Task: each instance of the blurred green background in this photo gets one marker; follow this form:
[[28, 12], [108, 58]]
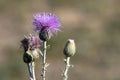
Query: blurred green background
[[93, 24]]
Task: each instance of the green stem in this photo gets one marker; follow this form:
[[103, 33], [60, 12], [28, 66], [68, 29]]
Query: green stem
[[66, 68], [30, 71], [44, 61], [33, 70]]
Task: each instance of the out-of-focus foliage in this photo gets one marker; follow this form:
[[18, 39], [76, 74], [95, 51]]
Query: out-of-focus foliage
[[93, 24]]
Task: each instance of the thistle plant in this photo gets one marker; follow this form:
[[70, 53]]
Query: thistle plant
[[69, 51], [46, 24], [31, 46]]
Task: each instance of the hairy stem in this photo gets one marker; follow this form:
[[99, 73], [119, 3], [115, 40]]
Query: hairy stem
[[44, 61], [66, 68], [33, 70], [30, 71]]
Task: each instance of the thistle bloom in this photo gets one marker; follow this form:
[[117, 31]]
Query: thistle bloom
[[31, 46], [46, 24], [32, 42]]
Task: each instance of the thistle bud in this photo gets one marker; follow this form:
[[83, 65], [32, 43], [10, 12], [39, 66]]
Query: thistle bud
[[27, 57], [44, 34], [69, 49]]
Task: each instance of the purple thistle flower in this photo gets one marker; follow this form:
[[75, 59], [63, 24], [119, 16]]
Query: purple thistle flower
[[31, 46], [31, 42], [47, 24], [34, 42], [25, 44]]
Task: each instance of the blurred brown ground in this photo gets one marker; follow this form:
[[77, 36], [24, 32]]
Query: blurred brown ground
[[94, 24]]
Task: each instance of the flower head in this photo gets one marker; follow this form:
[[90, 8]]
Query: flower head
[[34, 42], [46, 24], [31, 42], [31, 46]]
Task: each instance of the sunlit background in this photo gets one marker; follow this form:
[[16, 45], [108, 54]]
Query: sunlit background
[[93, 24]]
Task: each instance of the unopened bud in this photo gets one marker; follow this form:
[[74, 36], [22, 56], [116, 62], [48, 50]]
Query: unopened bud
[[69, 49], [44, 34], [27, 57]]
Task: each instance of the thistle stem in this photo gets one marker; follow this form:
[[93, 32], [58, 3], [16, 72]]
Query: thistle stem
[[44, 61], [33, 70], [30, 71], [67, 62]]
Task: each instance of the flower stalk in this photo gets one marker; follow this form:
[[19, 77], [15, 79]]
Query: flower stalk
[[33, 70], [67, 62], [44, 60], [29, 65]]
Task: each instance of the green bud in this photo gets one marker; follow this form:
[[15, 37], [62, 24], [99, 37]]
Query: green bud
[[69, 49], [27, 57]]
